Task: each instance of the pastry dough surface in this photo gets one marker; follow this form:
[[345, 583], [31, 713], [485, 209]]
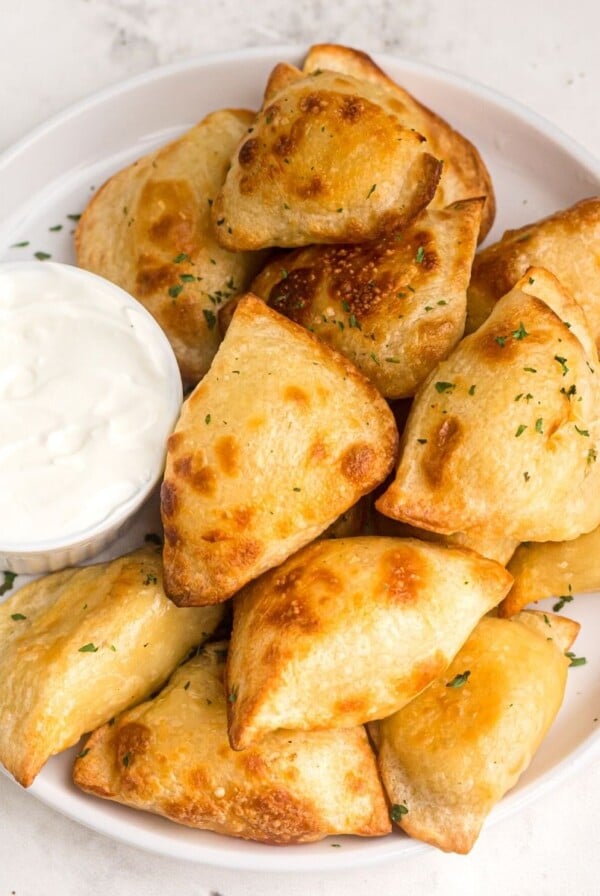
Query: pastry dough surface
[[171, 756], [566, 243], [502, 439], [280, 438], [464, 174], [453, 752], [328, 160], [148, 230], [559, 568], [349, 630], [92, 641], [395, 307]]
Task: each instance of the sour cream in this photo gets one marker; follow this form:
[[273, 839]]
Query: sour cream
[[89, 392]]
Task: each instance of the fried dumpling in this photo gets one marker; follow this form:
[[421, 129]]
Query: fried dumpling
[[148, 230], [449, 756], [328, 160], [502, 439], [559, 568], [464, 174], [281, 437], [170, 756], [395, 307], [347, 631], [79, 646], [566, 243]]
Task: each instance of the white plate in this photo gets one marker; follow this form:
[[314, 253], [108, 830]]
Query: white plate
[[52, 173]]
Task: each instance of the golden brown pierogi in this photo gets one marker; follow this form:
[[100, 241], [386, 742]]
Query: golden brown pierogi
[[349, 630], [328, 159], [502, 439], [170, 756], [395, 307], [148, 230], [449, 756], [281, 437], [79, 646], [464, 173], [559, 568], [566, 243]]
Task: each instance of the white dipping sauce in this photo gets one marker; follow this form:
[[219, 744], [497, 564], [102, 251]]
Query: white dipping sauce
[[86, 402]]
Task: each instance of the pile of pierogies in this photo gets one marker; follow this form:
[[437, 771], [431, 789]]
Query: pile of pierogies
[[313, 266]]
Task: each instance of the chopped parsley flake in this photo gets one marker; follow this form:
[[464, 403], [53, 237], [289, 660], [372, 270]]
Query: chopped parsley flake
[[210, 318], [83, 753], [88, 648], [459, 680], [562, 600], [17, 617], [56, 228], [539, 424], [9, 581], [520, 430], [563, 364], [582, 432], [150, 579], [187, 278], [420, 255], [175, 290], [501, 340], [74, 217], [444, 387], [371, 191], [42, 256], [397, 810], [207, 419], [374, 358], [472, 390], [576, 660], [521, 333], [530, 369], [592, 456], [20, 245]]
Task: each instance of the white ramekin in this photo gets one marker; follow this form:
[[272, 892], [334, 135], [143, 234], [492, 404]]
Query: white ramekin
[[51, 554]]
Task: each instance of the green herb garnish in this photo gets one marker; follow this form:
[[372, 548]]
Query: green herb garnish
[[397, 810], [9, 581], [210, 318], [459, 680]]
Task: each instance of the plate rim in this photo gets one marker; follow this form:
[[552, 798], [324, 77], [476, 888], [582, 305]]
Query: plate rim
[[158, 73], [380, 849]]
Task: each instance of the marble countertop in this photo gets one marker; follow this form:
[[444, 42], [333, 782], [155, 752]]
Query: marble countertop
[[544, 55]]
